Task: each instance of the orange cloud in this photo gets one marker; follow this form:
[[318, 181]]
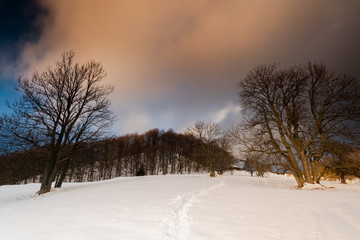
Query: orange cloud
[[151, 50]]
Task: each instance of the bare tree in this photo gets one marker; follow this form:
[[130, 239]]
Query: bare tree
[[343, 160], [256, 162], [296, 112], [58, 109], [213, 145]]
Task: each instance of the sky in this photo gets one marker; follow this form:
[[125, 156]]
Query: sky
[[175, 62]]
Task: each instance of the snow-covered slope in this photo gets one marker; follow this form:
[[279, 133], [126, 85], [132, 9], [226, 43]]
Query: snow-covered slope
[[181, 207]]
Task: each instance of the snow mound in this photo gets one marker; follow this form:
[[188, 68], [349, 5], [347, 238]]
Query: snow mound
[[182, 207], [316, 186]]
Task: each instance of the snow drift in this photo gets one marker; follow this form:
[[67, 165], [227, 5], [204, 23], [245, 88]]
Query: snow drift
[[181, 207]]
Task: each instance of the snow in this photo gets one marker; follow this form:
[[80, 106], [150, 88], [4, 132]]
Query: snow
[[315, 186], [179, 207]]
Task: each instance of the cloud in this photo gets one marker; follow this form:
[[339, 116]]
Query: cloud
[[180, 61], [137, 121], [226, 112]]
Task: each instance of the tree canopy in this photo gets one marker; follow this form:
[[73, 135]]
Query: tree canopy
[[296, 113], [58, 109]]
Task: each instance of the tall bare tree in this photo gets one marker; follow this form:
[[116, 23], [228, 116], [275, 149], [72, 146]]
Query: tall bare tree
[[296, 112], [59, 109], [213, 145], [207, 133]]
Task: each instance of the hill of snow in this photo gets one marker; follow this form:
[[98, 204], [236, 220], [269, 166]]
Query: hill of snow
[[181, 207]]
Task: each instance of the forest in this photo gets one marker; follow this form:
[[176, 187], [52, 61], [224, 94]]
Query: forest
[[151, 153]]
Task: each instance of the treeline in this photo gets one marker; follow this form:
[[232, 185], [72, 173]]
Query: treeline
[[154, 152]]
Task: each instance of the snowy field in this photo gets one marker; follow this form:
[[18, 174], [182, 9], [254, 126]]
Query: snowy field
[[181, 207]]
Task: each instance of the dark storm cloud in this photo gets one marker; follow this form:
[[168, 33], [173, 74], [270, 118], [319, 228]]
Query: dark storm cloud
[[21, 21], [175, 62]]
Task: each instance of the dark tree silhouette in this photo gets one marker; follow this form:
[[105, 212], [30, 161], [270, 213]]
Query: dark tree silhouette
[[212, 146], [59, 109], [296, 113]]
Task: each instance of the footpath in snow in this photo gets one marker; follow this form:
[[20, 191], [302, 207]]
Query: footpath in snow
[[181, 207]]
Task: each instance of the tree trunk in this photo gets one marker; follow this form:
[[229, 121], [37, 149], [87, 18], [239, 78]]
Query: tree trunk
[[299, 179], [295, 170], [342, 178], [212, 170], [49, 174], [63, 174], [307, 170], [316, 170]]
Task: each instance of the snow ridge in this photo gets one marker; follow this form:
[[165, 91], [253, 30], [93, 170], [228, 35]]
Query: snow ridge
[[176, 226]]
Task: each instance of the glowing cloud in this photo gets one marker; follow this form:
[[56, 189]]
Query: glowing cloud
[[185, 57]]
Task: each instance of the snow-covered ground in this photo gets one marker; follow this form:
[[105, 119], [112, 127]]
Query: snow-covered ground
[[181, 207]]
